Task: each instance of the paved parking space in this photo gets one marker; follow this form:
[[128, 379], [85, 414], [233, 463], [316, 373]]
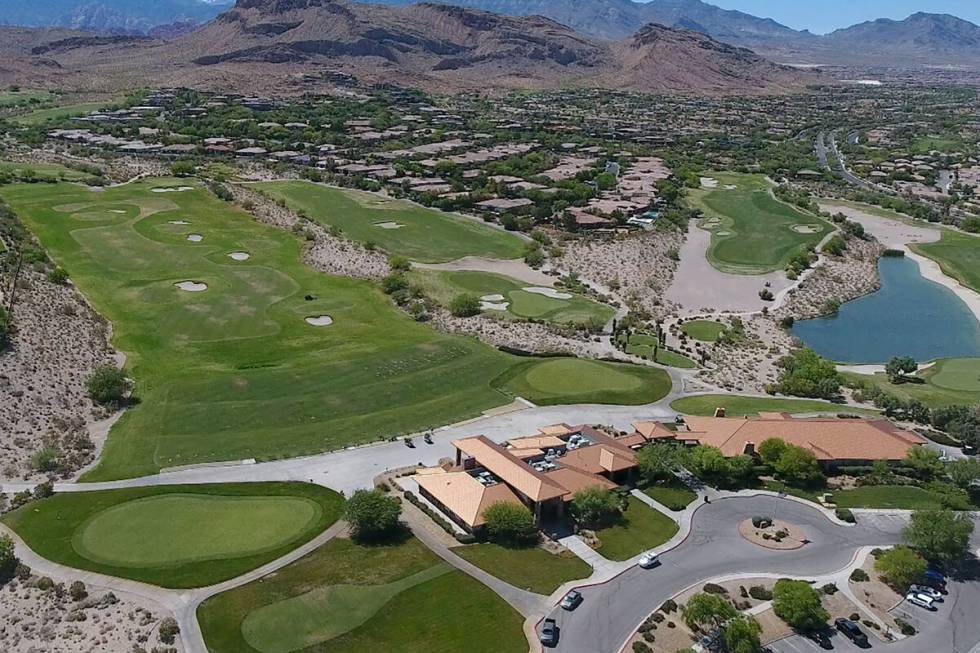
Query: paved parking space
[[887, 523], [800, 644]]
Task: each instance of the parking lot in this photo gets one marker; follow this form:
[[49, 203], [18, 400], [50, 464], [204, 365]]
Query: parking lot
[[800, 644]]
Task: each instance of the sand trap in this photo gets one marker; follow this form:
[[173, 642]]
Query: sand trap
[[195, 238], [120, 211], [494, 306], [709, 182], [731, 187], [320, 320], [192, 286], [239, 256], [492, 298], [723, 233], [179, 222], [548, 292], [807, 228], [172, 189], [388, 225]]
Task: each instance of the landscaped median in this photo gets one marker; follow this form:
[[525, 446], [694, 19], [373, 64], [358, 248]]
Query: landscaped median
[[347, 597], [176, 536]]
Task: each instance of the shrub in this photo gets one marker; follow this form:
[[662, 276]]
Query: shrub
[[901, 567], [372, 514], [58, 276], [829, 589], [8, 558], [509, 523], [393, 283], [712, 588], [464, 306], [595, 506], [107, 385], [182, 168], [859, 576], [845, 515], [668, 606], [640, 647], [6, 326], [760, 593], [399, 264], [905, 627], [168, 630], [77, 591], [798, 604]]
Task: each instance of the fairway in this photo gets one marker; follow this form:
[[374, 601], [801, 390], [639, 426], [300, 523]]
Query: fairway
[[349, 598], [950, 382], [572, 380], [958, 255], [44, 171], [737, 406], [176, 536], [399, 227], [703, 330], [752, 231], [521, 304], [40, 116]]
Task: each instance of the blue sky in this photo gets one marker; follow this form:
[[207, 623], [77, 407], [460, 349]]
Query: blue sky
[[821, 16]]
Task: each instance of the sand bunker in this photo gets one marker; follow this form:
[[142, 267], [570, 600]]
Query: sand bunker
[[195, 238], [171, 189], [388, 225], [548, 292], [731, 187], [709, 182], [179, 222], [492, 298], [320, 320], [239, 256], [723, 233], [192, 286], [120, 211], [494, 306], [807, 228]]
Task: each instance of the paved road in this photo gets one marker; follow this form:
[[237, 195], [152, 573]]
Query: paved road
[[611, 612]]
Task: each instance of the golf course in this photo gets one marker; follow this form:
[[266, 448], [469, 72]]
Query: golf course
[[752, 231], [176, 536], [949, 382], [347, 597], [397, 226], [240, 351], [571, 380], [958, 254]]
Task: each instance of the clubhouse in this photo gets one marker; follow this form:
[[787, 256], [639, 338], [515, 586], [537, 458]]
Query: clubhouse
[[542, 471]]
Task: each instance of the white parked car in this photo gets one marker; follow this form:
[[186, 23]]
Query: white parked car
[[933, 594], [649, 559], [922, 601]]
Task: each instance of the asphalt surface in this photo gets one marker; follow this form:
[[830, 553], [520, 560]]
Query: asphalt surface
[[611, 612]]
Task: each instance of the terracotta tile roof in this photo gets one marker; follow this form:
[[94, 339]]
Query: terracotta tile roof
[[576, 480], [828, 439], [536, 442], [653, 430], [463, 495], [524, 454], [509, 468], [599, 458], [556, 429]]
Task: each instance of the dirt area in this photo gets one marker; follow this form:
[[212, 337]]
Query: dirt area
[[841, 279], [57, 343], [749, 364], [40, 615], [773, 628], [893, 234], [779, 536], [117, 169], [640, 265], [663, 633], [877, 597], [515, 269], [324, 252]]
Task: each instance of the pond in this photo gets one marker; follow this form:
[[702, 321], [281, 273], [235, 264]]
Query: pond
[[908, 316]]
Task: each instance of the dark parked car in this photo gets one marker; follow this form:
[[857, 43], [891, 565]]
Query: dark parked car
[[821, 639], [852, 632], [571, 600], [549, 633]]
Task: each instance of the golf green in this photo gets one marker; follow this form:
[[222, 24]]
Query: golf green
[[399, 227], [703, 330], [572, 380], [178, 535], [958, 255], [949, 382], [752, 231]]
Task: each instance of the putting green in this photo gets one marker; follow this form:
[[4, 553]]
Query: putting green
[[753, 232], [324, 613], [424, 235], [962, 374], [958, 255], [200, 527], [569, 376], [574, 380], [703, 330]]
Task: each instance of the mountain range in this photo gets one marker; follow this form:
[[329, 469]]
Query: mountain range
[[111, 16]]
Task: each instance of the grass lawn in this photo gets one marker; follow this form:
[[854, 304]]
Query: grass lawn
[[752, 231], [425, 235], [734, 405], [950, 382], [672, 494], [703, 330], [640, 528], [235, 371], [176, 536], [10, 98], [902, 497], [803, 493], [532, 568], [958, 255], [349, 598], [44, 171], [40, 116], [574, 380], [643, 346], [444, 286]]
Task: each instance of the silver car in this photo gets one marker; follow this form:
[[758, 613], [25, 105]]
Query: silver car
[[922, 601], [933, 594]]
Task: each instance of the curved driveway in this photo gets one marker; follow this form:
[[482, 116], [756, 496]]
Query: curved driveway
[[611, 612]]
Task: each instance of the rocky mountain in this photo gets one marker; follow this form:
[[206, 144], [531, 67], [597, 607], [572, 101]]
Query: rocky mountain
[[266, 45], [131, 16], [920, 35]]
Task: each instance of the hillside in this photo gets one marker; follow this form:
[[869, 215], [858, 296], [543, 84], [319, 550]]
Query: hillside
[[117, 16]]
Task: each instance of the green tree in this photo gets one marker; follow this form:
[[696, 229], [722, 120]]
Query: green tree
[[708, 464], [798, 466], [8, 557], [964, 472], [771, 450], [901, 567], [464, 305], [939, 535], [806, 374], [658, 461], [372, 514], [510, 523], [798, 604], [899, 366], [926, 462], [706, 611], [742, 635], [182, 168], [6, 326], [595, 505], [107, 385]]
